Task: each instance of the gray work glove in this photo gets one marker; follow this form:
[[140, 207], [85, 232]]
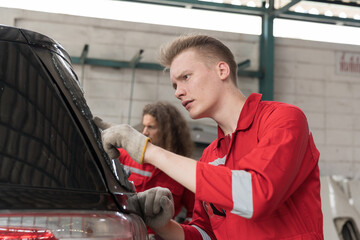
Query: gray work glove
[[157, 206], [122, 136]]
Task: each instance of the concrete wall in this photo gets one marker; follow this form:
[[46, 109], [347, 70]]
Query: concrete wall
[[305, 75]]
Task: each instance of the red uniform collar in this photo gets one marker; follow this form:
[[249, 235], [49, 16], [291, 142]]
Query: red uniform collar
[[246, 116]]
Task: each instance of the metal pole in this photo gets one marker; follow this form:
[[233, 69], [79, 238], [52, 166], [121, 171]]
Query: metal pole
[[266, 81], [134, 61], [82, 62]]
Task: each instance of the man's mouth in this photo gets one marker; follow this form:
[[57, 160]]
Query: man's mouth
[[186, 103]]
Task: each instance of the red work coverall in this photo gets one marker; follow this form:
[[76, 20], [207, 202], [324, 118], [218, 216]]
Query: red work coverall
[[262, 182], [146, 176]]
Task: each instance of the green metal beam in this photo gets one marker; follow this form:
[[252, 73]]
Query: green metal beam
[[204, 5], [116, 64], [319, 18], [247, 73], [266, 80], [250, 73], [149, 66], [243, 65]]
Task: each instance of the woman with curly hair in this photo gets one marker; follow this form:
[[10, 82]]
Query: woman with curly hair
[[171, 131], [166, 127]]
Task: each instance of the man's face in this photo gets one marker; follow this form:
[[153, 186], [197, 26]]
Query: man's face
[[195, 84], [150, 128]]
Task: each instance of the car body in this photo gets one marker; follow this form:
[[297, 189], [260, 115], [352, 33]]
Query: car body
[[340, 206], [56, 181]]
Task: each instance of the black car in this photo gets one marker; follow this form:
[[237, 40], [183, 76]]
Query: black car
[[56, 181]]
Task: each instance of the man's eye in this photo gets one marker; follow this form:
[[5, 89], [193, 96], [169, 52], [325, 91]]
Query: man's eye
[[187, 76]]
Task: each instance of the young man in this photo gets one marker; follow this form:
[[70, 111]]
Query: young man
[[258, 180]]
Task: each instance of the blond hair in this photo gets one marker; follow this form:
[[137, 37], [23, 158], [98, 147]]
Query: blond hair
[[212, 49]]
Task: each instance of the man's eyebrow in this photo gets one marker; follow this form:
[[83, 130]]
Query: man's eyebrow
[[181, 74]]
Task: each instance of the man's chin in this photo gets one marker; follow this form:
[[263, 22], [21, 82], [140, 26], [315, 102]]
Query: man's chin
[[194, 116]]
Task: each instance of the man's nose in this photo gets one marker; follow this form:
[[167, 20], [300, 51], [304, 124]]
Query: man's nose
[[179, 92]]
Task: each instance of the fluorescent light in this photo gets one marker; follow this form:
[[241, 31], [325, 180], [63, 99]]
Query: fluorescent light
[[314, 11], [300, 9], [251, 4], [328, 13], [236, 2], [342, 15]]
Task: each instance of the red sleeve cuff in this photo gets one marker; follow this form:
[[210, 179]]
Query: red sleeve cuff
[[191, 233]]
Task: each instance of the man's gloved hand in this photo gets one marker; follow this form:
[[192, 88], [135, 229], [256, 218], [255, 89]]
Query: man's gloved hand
[[122, 136], [157, 206]]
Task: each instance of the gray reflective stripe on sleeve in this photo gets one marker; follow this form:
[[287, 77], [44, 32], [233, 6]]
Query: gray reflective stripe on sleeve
[[219, 161], [138, 171], [203, 234], [242, 193], [188, 219]]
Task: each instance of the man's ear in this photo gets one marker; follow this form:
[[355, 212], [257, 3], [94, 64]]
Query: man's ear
[[223, 70]]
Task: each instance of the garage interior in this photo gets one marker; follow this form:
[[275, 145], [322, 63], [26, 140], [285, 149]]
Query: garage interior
[[116, 62]]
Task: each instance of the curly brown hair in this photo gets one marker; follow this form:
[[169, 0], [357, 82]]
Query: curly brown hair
[[173, 130], [210, 48]]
